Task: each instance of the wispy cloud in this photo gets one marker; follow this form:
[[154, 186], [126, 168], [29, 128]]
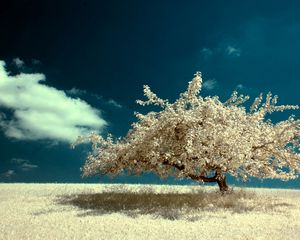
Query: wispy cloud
[[8, 174], [210, 84], [79, 92], [35, 61], [23, 164], [206, 52], [114, 103], [25, 167], [240, 86], [232, 51], [76, 91], [18, 161], [220, 51], [43, 112], [18, 62], [19, 165]]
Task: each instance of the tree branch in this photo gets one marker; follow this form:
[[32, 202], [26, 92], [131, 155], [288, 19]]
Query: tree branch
[[261, 146], [192, 176]]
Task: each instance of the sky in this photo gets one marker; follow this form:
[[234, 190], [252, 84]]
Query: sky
[[71, 67]]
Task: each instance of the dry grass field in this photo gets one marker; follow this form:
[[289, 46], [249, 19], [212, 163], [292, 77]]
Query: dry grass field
[[116, 211]]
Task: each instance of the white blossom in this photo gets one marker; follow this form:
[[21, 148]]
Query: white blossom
[[196, 135]]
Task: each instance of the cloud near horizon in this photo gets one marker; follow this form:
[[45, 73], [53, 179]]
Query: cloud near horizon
[[23, 164], [8, 174], [43, 112]]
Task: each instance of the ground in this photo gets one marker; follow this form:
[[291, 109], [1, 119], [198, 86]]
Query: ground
[[118, 211]]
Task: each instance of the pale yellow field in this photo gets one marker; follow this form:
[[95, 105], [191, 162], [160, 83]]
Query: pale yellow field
[[98, 211]]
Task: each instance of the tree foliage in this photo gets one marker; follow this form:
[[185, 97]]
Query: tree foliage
[[195, 136]]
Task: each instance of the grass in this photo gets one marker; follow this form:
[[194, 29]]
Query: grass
[[115, 211], [168, 205]]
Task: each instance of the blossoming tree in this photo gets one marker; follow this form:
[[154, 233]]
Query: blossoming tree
[[202, 139]]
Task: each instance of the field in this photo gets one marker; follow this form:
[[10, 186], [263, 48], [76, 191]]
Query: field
[[116, 211]]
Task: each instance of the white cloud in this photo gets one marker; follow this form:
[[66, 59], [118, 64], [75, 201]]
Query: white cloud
[[18, 62], [114, 103], [232, 51], [210, 84], [43, 112]]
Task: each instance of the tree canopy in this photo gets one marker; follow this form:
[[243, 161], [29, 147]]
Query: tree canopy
[[196, 136]]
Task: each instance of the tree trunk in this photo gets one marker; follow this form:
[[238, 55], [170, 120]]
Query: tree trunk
[[219, 178]]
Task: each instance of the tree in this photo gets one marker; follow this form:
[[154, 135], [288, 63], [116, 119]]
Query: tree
[[202, 139]]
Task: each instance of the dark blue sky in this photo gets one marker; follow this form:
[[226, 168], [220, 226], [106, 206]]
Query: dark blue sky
[[103, 52]]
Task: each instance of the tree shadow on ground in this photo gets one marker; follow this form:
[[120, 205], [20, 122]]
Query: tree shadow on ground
[[167, 205]]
